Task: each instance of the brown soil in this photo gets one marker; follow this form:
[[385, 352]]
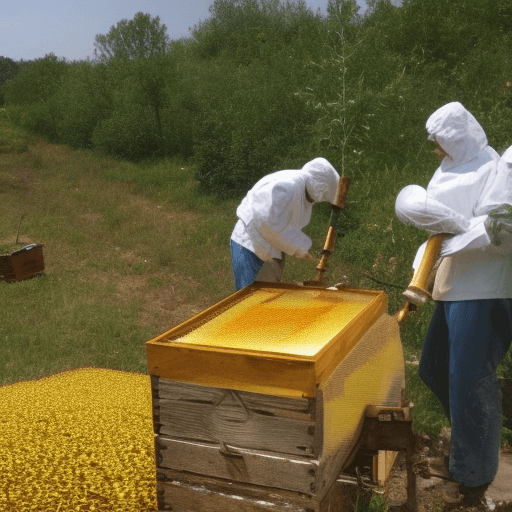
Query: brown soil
[[429, 488]]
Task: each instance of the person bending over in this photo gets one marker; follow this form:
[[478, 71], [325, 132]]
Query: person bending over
[[271, 218]]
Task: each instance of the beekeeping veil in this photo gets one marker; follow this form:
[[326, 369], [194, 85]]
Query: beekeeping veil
[[321, 180], [457, 131]]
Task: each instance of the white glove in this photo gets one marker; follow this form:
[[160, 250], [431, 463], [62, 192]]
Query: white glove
[[419, 255], [498, 223]]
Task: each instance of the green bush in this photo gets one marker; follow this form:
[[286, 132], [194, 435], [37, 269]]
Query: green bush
[[255, 130], [84, 100], [37, 118], [34, 90], [130, 133], [265, 84], [8, 70], [245, 31], [37, 81]]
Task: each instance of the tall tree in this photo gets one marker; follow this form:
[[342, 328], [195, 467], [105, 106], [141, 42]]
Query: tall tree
[[144, 41], [143, 36], [343, 12]]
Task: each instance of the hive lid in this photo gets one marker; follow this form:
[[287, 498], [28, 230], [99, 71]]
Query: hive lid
[[277, 337]]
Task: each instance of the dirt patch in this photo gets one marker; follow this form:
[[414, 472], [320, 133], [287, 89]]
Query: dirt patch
[[429, 488], [91, 217]]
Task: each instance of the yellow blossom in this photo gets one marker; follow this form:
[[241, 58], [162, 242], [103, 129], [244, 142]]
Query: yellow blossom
[[78, 440]]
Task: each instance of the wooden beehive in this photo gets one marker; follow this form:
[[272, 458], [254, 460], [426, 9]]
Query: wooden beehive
[[22, 264], [267, 391]]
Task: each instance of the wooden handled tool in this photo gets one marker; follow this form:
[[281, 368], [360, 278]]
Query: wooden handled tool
[[418, 290], [330, 240]]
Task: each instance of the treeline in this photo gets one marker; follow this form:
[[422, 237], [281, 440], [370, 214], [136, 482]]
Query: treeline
[[264, 84]]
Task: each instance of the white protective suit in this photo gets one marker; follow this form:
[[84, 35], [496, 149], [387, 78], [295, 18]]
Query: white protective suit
[[468, 185], [274, 212]]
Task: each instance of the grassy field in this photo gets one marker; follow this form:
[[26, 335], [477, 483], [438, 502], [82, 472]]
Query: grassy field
[[133, 249], [122, 263]]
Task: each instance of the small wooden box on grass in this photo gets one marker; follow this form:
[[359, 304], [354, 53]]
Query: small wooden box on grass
[[259, 400], [22, 264]]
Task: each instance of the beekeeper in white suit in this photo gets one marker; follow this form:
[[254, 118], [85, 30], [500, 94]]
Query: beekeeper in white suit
[[469, 196], [271, 218]]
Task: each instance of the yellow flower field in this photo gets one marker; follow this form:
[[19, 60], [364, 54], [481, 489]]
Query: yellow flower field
[[77, 441]]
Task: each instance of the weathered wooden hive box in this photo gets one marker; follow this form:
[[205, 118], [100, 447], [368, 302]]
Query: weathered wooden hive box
[[258, 401], [22, 264]]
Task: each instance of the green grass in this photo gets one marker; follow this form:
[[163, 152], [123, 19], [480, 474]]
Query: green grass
[[124, 261], [133, 249], [374, 503]]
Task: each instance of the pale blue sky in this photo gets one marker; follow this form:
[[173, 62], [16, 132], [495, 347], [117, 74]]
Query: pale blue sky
[[30, 29]]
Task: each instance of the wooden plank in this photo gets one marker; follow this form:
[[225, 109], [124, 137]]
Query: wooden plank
[[275, 375], [393, 432], [248, 420], [186, 492], [258, 468], [297, 408], [385, 461], [394, 435], [385, 413], [204, 422]]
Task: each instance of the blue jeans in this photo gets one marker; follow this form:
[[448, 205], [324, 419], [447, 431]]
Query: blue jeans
[[465, 343], [245, 265]]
